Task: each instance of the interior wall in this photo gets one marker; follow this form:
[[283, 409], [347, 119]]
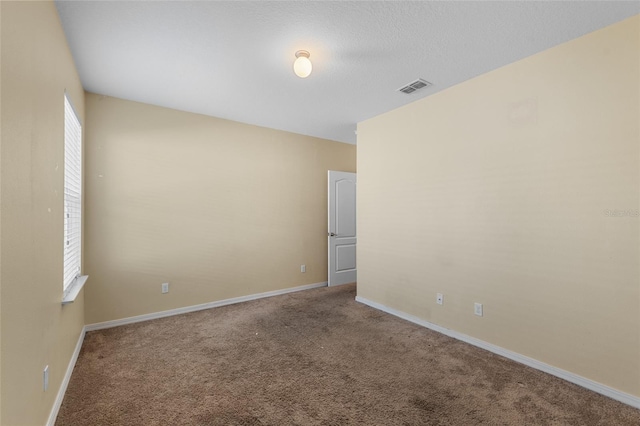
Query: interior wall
[[518, 189], [36, 330], [216, 208]]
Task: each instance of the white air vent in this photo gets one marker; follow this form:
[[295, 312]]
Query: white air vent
[[413, 86]]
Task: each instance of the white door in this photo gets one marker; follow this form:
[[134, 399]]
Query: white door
[[342, 228]]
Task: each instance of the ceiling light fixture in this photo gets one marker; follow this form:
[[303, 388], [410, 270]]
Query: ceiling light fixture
[[302, 66]]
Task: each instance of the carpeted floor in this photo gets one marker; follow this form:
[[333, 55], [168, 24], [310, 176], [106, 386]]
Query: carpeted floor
[[312, 358]]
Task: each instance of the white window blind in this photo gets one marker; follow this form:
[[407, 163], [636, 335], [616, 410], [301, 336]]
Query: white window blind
[[72, 195]]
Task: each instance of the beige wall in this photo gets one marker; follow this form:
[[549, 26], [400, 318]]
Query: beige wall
[[36, 330], [217, 208], [494, 191]]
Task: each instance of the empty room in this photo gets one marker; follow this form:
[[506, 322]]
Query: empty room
[[319, 213]]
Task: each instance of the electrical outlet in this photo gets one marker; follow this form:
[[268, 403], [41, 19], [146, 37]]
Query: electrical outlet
[[45, 378], [303, 268], [165, 288], [477, 309], [439, 298]]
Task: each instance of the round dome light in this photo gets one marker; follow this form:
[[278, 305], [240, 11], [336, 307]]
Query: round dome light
[[302, 66]]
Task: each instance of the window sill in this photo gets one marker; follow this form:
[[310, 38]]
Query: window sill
[[74, 288]]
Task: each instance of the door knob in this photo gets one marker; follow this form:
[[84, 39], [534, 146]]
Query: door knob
[[332, 234]]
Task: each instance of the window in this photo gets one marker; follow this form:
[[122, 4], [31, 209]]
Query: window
[[73, 280]]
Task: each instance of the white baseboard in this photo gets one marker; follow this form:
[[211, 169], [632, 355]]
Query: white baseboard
[[626, 398], [65, 380], [194, 308]]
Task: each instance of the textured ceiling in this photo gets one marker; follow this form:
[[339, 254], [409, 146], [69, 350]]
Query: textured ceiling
[[234, 59]]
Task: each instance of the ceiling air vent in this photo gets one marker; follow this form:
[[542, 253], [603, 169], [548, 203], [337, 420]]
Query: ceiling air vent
[[413, 86]]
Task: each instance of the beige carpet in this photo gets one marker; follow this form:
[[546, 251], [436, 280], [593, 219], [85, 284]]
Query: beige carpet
[[312, 358]]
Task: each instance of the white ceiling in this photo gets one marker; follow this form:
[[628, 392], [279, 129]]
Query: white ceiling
[[234, 59]]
